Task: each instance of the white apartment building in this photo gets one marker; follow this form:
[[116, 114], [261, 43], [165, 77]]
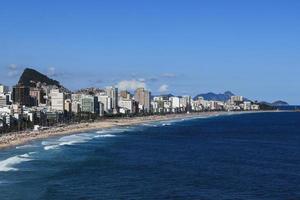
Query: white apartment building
[[247, 105], [57, 100], [254, 107], [101, 109], [107, 103], [126, 104], [197, 105], [4, 89], [143, 96], [3, 100], [185, 102], [234, 99], [76, 106], [167, 106], [175, 102], [158, 98], [112, 93]]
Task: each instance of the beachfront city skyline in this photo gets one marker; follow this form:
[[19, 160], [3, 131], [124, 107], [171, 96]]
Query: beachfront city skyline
[[149, 99], [177, 47], [37, 101]]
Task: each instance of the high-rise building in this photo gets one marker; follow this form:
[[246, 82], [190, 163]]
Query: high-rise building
[[57, 100], [107, 103], [247, 105], [21, 95], [4, 100], [143, 96], [175, 102], [112, 92], [68, 105], [124, 94], [38, 94], [101, 109], [90, 104], [127, 105], [4, 89], [76, 106], [237, 99], [185, 102]]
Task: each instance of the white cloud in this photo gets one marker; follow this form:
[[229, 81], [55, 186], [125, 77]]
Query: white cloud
[[168, 75], [142, 80], [12, 67], [163, 88], [131, 84], [13, 70], [51, 72]]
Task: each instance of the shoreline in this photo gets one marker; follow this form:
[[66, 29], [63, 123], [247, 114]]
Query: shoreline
[[18, 138]]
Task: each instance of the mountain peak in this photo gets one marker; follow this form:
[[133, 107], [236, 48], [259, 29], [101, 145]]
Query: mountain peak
[[228, 93], [215, 97], [280, 103], [30, 77]]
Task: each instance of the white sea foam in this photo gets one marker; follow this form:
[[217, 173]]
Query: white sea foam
[[44, 143], [9, 163], [150, 125], [82, 138], [105, 135], [167, 123], [115, 130], [25, 146], [121, 130], [106, 131], [74, 139], [68, 140], [49, 147]]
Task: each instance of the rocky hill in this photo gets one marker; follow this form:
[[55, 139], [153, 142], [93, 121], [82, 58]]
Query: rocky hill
[[280, 103], [215, 97], [30, 77]]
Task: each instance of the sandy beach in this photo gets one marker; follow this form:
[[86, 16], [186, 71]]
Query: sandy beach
[[18, 138]]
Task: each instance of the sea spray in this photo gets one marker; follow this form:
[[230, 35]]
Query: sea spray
[[10, 163]]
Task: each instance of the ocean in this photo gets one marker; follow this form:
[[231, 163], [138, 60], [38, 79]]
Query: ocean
[[243, 156]]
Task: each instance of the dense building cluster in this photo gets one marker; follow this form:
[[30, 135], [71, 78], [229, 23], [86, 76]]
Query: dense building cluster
[[42, 106]]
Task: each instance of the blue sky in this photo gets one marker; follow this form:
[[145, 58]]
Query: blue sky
[[251, 48]]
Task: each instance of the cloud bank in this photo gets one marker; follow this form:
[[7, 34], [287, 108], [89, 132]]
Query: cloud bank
[[163, 88], [131, 84], [13, 70]]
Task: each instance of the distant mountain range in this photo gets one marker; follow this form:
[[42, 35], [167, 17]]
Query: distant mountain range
[[276, 103], [210, 96], [30, 77]]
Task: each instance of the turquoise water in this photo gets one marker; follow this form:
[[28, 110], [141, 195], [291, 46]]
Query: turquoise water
[[248, 156]]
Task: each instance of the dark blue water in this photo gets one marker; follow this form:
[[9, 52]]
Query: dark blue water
[[248, 156]]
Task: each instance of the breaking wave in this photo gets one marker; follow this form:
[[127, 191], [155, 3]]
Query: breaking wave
[[105, 135], [75, 139], [25, 146], [9, 163]]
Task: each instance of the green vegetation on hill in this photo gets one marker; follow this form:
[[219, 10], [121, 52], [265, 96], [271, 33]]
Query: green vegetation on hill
[[266, 106], [30, 76]]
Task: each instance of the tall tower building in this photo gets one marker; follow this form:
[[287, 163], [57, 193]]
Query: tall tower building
[[21, 95], [112, 92], [57, 100], [124, 94], [38, 94], [143, 96], [4, 89], [90, 104]]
